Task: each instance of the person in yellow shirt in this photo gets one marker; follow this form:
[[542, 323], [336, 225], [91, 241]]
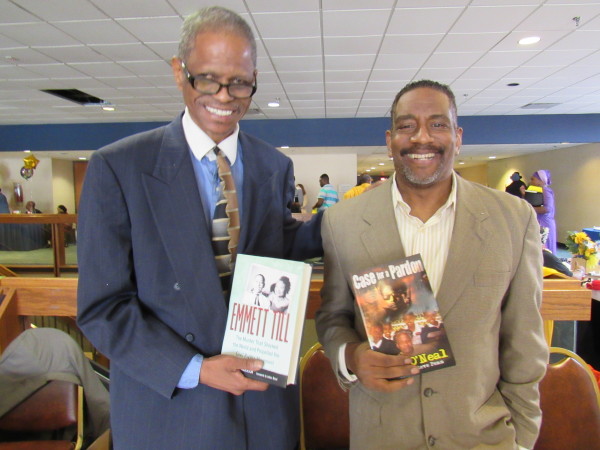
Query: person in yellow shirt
[[364, 181]]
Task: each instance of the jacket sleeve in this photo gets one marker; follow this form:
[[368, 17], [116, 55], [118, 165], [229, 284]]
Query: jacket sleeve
[[335, 318], [523, 350]]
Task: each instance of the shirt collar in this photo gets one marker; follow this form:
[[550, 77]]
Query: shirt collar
[[201, 145], [398, 201]]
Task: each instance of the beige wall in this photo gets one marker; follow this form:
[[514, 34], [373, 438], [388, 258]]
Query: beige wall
[[63, 191], [575, 181], [478, 174]]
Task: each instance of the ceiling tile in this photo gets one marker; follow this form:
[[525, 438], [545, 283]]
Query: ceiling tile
[[13, 14], [287, 25], [36, 34], [487, 19], [59, 10], [283, 6], [132, 9], [306, 46], [93, 32], [424, 20], [363, 22], [349, 45], [153, 29], [72, 54]]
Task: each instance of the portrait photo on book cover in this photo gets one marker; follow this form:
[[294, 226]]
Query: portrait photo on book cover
[[269, 288], [401, 315]]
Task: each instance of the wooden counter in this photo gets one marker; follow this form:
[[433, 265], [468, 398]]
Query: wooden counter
[[562, 300]]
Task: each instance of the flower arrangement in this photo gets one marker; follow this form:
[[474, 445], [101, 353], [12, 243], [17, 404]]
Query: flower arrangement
[[581, 246]]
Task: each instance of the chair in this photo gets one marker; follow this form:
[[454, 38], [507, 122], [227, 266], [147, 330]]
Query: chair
[[324, 407], [52, 408], [570, 403]]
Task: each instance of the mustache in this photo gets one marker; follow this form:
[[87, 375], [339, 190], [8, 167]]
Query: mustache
[[422, 149]]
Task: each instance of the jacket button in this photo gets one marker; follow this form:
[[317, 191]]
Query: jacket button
[[428, 392], [177, 286], [189, 337], [431, 441]]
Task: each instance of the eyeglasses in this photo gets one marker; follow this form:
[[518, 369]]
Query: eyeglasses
[[211, 87]]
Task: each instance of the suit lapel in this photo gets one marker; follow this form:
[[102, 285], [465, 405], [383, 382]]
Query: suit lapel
[[176, 206], [381, 239], [471, 229], [259, 184]]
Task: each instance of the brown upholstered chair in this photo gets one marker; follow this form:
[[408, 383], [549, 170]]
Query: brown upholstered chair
[[323, 404], [55, 406], [570, 404]]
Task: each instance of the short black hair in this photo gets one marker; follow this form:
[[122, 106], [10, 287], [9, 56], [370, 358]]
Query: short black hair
[[443, 88]]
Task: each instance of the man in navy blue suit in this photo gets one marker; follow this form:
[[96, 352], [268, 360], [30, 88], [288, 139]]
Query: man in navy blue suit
[[149, 291]]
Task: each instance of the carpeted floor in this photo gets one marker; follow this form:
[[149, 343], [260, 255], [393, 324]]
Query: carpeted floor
[[42, 256]]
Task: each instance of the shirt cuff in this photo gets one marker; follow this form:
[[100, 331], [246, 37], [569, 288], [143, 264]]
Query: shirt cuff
[[342, 368], [191, 375]]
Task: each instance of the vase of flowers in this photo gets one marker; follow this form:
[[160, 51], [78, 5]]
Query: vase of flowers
[[583, 249]]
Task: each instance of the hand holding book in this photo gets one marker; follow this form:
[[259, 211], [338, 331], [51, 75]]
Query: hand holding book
[[223, 372], [378, 371]]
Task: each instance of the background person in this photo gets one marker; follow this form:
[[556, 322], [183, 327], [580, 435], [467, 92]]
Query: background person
[[4, 209], [150, 296], [517, 187], [31, 209], [39, 355], [545, 213], [364, 182], [327, 196]]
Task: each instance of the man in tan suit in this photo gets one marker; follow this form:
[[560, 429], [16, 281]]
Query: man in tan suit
[[482, 254]]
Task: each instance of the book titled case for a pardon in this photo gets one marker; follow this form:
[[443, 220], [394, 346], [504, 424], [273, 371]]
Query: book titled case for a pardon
[[266, 315], [400, 313]]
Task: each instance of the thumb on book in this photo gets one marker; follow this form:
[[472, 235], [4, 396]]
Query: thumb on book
[[251, 364]]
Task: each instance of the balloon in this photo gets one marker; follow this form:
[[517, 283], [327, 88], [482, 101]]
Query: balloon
[[26, 172], [30, 162]]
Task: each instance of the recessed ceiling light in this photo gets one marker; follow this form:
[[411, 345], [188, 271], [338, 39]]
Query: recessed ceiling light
[[529, 40], [108, 108], [461, 162], [382, 164], [285, 146], [372, 168], [491, 157], [27, 151], [274, 103], [83, 158], [368, 170]]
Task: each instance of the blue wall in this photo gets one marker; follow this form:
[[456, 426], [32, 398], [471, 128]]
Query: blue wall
[[573, 128]]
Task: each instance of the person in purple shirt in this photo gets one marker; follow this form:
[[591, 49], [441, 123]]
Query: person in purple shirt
[[545, 212]]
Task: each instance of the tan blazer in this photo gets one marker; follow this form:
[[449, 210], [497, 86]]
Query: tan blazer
[[489, 298]]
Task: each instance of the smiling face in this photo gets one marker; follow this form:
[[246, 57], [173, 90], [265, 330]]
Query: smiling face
[[424, 139], [226, 57]]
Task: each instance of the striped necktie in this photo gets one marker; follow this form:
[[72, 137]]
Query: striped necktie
[[226, 223]]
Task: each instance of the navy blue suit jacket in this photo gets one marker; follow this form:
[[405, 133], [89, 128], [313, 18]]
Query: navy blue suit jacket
[[149, 295]]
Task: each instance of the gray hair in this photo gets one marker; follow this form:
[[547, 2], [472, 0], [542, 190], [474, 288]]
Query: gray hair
[[214, 18]]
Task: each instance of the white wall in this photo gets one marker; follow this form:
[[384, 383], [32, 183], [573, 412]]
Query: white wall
[[341, 169], [575, 182]]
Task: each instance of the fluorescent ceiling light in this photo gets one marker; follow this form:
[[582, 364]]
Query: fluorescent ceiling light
[[529, 40]]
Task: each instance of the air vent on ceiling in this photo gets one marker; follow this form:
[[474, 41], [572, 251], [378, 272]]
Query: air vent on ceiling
[[75, 95], [253, 112], [539, 105]]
